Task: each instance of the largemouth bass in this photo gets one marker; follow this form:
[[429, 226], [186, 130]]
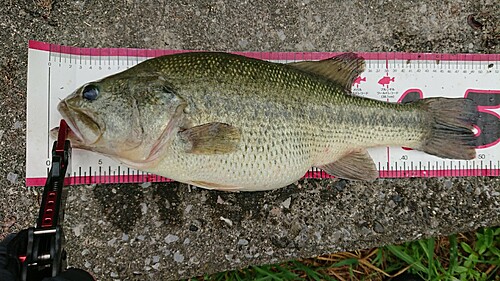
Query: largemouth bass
[[228, 122]]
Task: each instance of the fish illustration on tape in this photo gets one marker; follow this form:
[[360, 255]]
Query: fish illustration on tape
[[358, 81], [386, 80]]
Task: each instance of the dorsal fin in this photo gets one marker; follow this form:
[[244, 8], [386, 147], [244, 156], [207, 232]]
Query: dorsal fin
[[342, 69]]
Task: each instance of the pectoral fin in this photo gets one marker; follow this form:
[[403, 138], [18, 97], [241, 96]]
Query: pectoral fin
[[342, 69], [211, 138], [357, 165]]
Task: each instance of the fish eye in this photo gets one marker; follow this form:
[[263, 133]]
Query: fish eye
[[90, 92]]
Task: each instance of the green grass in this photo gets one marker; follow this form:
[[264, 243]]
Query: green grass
[[469, 256], [457, 257]]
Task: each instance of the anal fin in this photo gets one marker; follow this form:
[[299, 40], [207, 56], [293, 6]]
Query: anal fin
[[357, 165]]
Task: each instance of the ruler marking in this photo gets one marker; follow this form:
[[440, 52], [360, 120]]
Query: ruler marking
[[48, 114], [388, 157]]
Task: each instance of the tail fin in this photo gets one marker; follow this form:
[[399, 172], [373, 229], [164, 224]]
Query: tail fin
[[451, 135]]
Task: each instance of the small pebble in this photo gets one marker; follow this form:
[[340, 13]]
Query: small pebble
[[156, 266], [228, 221], [87, 264], [193, 227], [281, 35], [17, 125], [243, 242], [378, 227], [477, 191], [145, 184], [275, 211], [188, 209], [156, 259], [423, 8], [392, 204], [178, 257], [144, 208], [447, 183], [111, 242], [318, 235], [1, 134], [124, 237], [12, 177], [397, 198], [77, 230], [243, 43], [286, 203], [340, 185], [186, 241], [111, 259], [114, 274], [219, 200], [194, 260], [171, 238], [85, 252], [140, 237]]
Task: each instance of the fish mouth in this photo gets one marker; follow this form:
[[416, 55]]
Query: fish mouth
[[63, 109], [74, 132]]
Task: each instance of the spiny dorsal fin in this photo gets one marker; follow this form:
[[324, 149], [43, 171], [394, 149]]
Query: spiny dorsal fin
[[342, 69], [211, 138], [357, 165]]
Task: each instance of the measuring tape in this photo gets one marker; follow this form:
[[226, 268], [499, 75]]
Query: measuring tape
[[55, 71]]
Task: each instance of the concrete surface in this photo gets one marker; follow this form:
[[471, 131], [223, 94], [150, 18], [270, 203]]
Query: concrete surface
[[167, 231]]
